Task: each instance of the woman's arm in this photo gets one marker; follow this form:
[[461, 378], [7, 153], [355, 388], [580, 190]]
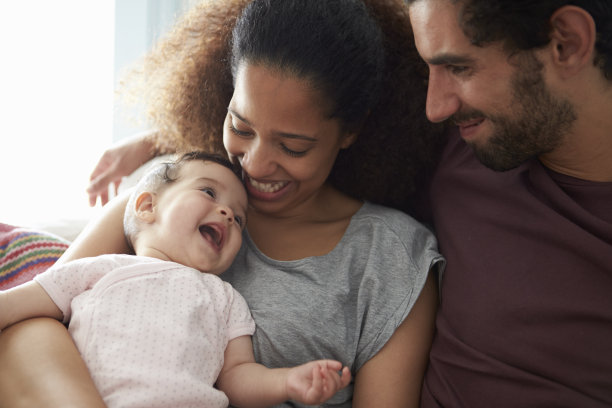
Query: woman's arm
[[248, 384], [25, 302], [393, 377], [41, 367], [39, 363], [103, 235]]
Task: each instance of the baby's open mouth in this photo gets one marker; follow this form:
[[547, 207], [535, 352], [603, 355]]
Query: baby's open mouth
[[211, 234]]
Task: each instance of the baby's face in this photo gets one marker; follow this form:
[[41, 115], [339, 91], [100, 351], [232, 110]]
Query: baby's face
[[200, 217]]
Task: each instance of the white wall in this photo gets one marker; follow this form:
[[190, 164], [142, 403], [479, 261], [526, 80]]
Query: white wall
[[138, 25], [60, 62]]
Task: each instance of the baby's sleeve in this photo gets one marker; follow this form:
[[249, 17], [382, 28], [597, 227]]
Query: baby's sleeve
[[64, 282], [239, 319]]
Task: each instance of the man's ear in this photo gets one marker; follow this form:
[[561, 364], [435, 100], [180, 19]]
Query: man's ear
[[572, 39], [144, 207]]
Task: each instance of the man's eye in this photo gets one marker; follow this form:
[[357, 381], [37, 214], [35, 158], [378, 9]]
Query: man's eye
[[458, 69], [209, 191]]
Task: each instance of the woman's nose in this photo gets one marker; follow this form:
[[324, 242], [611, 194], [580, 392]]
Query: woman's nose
[[442, 100], [258, 160]]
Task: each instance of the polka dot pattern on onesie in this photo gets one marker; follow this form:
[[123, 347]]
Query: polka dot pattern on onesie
[[152, 333]]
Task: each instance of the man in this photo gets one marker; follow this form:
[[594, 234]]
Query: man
[[521, 201]]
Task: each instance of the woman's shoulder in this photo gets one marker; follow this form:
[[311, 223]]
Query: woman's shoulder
[[392, 240], [395, 220], [385, 227]]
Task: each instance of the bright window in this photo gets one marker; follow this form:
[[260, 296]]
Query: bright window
[[60, 61], [56, 96]]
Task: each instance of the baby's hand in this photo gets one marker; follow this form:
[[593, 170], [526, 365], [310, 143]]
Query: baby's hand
[[315, 382]]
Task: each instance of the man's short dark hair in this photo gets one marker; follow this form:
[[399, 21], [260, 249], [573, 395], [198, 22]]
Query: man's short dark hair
[[523, 25]]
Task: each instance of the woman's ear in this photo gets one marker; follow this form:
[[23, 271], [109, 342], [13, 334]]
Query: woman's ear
[[572, 39], [348, 139], [144, 207]]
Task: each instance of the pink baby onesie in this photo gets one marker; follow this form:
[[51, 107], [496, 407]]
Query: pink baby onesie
[[152, 333]]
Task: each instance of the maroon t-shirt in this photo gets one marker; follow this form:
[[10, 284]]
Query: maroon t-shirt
[[525, 318]]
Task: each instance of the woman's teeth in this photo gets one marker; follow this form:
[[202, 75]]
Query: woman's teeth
[[267, 187]]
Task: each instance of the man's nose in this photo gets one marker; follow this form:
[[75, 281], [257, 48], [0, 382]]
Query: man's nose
[[442, 100]]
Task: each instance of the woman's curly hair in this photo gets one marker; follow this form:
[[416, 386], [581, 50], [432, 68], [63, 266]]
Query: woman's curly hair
[[186, 82]]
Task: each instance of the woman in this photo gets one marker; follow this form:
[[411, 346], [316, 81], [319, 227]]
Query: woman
[[321, 110]]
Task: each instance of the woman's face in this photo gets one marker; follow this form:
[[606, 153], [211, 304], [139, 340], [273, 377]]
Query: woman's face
[[277, 128]]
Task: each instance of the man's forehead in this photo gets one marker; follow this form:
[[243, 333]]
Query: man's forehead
[[436, 29], [434, 14]]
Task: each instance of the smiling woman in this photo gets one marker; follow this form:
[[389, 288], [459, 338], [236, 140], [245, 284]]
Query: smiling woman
[[57, 96]]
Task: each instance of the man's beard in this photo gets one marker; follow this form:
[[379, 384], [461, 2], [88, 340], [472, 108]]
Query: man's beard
[[538, 124]]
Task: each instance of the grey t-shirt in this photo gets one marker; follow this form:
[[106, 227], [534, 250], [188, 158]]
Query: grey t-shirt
[[344, 305]]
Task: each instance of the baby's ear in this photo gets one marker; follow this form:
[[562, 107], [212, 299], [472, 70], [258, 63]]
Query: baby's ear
[[144, 207]]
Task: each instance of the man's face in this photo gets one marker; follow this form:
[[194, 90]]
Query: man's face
[[501, 105]]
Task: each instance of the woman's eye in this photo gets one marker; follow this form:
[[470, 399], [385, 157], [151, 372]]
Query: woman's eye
[[209, 191], [237, 132], [293, 153]]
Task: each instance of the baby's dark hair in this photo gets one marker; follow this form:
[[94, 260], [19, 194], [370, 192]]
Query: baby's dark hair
[[172, 167], [159, 177]]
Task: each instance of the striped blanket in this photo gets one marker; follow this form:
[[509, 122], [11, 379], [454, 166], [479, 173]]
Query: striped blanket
[[24, 253]]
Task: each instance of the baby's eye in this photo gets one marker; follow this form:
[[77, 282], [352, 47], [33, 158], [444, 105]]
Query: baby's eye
[[209, 191], [239, 220]]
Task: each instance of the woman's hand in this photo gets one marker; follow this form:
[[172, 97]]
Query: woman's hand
[[118, 161]]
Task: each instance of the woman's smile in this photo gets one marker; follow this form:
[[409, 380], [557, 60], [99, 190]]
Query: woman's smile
[[266, 187], [265, 190]]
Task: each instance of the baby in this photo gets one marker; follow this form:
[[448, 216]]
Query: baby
[[160, 328]]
